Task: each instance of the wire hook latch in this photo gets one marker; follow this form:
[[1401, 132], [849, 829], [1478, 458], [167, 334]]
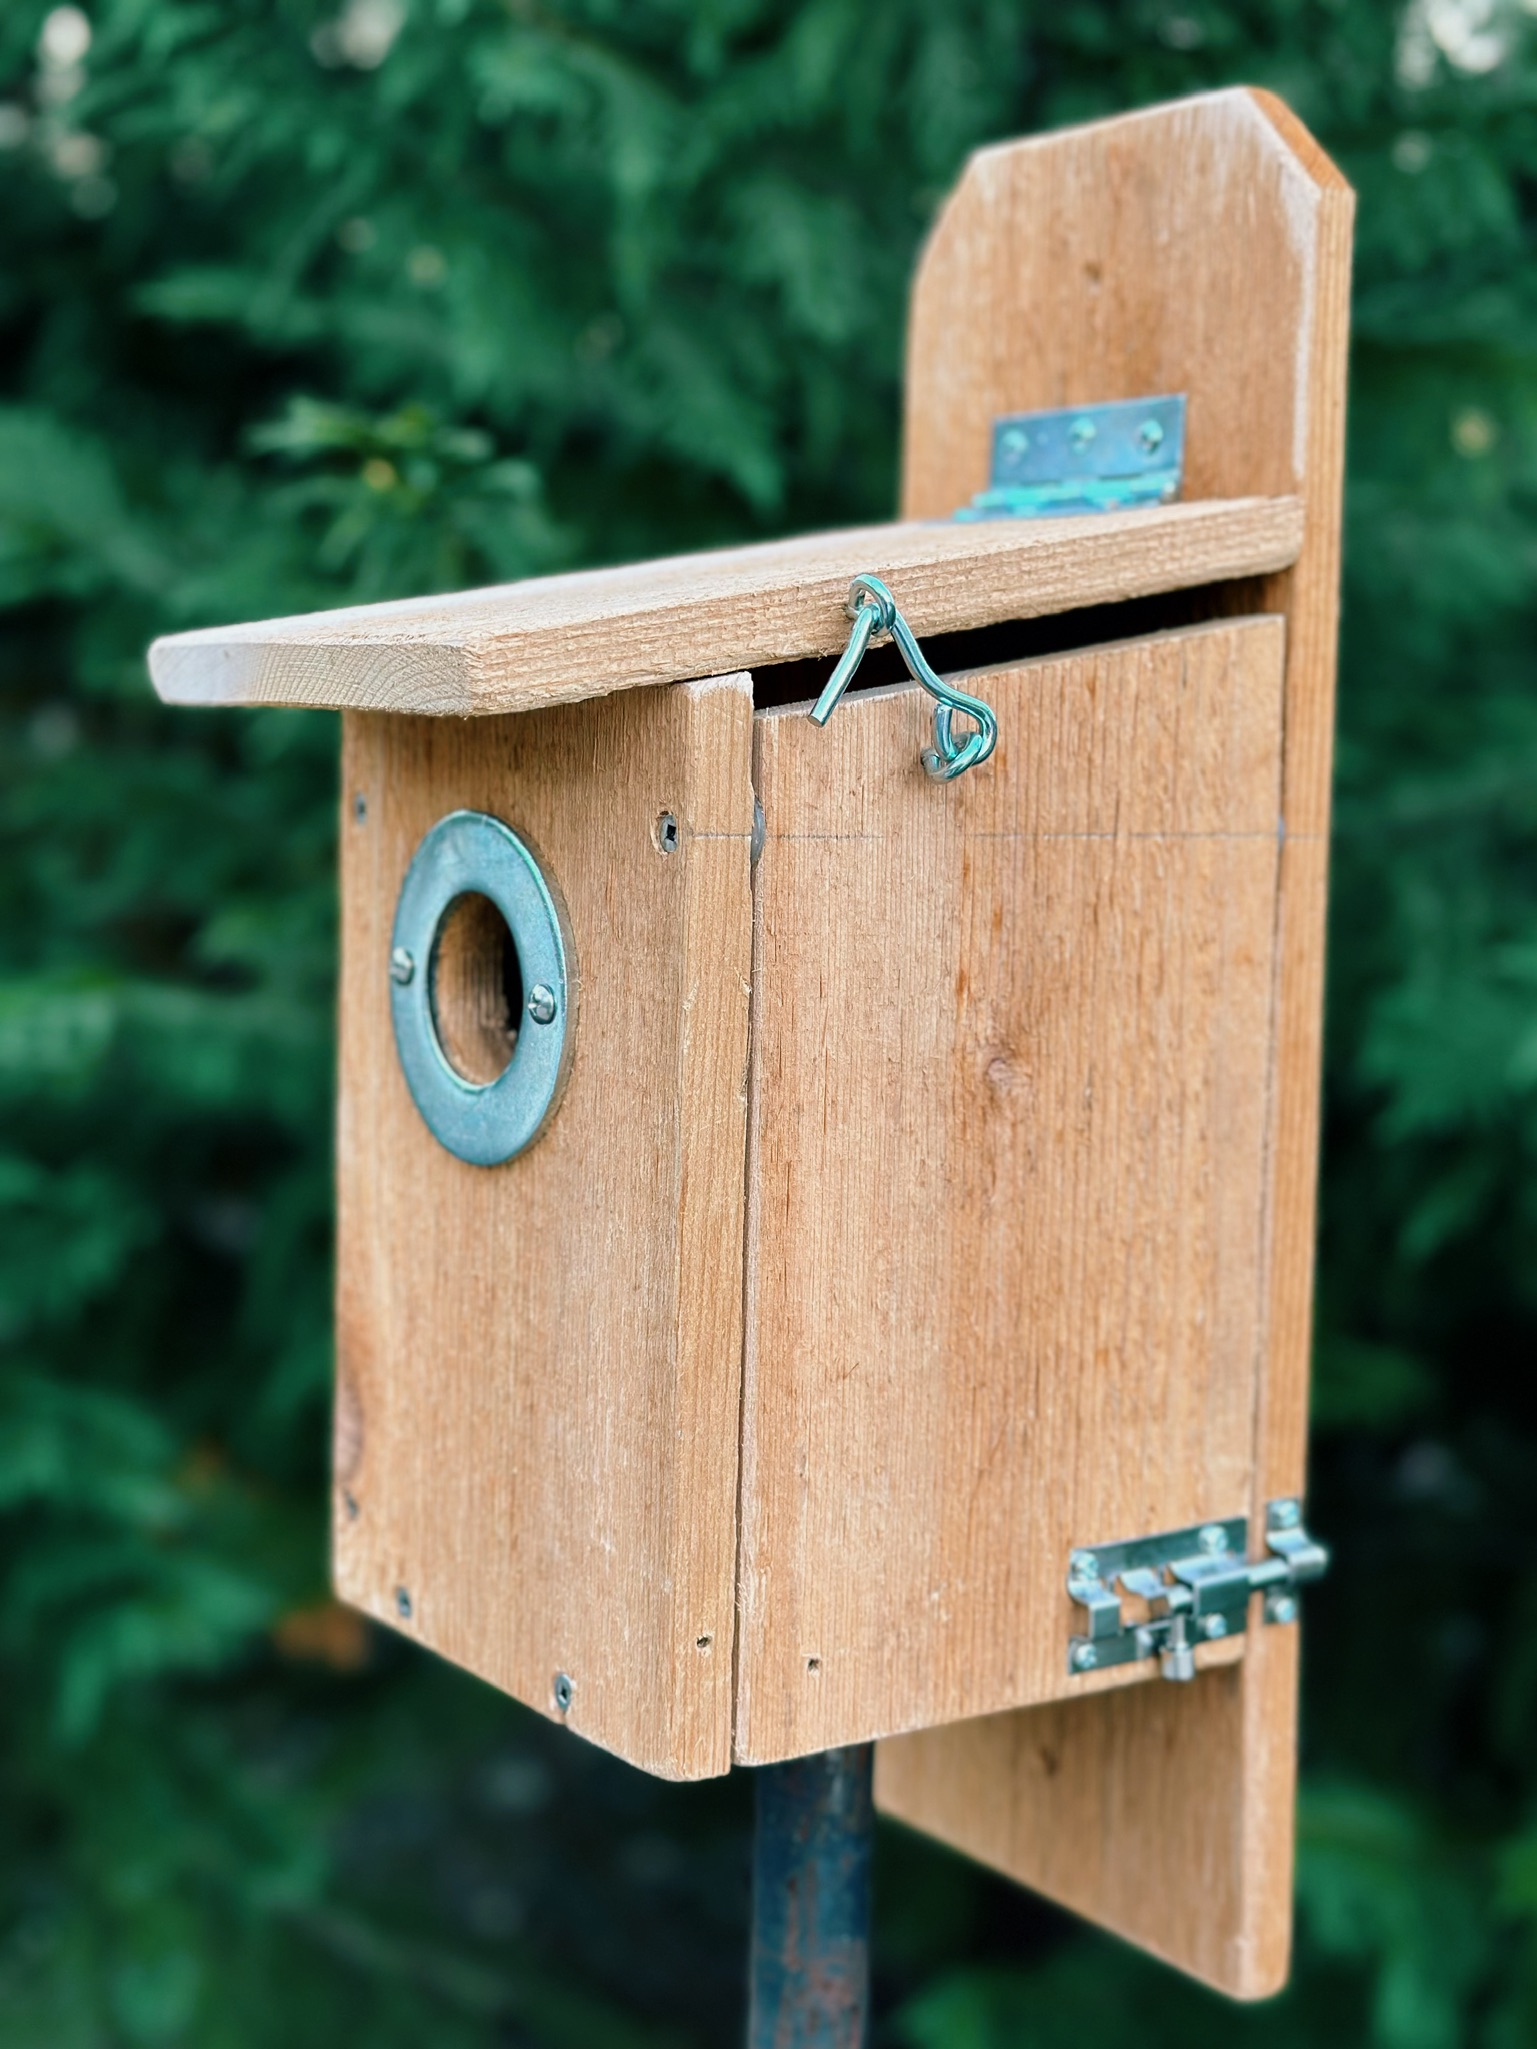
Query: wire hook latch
[[874, 612]]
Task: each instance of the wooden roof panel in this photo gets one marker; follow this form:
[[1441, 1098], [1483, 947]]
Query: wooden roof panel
[[556, 639]]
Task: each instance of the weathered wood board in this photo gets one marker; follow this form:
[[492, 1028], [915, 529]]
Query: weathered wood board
[[557, 639], [1107, 1806], [1202, 247], [1012, 1050], [538, 1363]]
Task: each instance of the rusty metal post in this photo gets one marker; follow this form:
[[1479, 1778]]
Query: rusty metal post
[[809, 1985]]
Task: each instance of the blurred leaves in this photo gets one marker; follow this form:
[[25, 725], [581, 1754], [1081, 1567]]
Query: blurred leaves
[[310, 302]]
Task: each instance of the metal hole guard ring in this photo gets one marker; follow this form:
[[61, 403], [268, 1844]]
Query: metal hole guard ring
[[468, 853], [874, 612]]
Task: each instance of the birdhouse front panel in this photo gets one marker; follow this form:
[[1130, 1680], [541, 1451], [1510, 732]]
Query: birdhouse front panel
[[538, 1361]]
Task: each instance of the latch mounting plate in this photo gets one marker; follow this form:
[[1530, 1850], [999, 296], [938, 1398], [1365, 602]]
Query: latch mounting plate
[[1186, 1587]]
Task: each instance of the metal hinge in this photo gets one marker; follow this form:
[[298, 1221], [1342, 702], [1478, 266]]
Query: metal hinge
[[1105, 458], [1191, 1586]]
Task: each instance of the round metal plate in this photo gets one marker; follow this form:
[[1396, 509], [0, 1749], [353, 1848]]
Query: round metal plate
[[469, 853]]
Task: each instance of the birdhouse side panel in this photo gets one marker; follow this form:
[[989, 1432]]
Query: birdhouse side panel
[[1013, 1043]]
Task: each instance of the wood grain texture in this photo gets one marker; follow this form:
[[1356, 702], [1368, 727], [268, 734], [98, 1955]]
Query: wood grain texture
[[538, 1363], [1055, 1796], [561, 638], [1203, 247], [1108, 1807], [1011, 1046], [1171, 250]]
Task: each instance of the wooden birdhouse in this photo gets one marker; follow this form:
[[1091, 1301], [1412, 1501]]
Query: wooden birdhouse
[[826, 1205]]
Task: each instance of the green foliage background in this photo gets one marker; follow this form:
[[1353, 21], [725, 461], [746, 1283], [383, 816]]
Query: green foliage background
[[299, 306]]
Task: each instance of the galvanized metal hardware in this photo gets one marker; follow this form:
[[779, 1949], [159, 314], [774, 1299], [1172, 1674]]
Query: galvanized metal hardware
[[1193, 1586], [874, 612], [1104, 458], [471, 854]]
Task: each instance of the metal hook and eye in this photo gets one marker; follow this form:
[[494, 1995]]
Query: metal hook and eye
[[874, 612]]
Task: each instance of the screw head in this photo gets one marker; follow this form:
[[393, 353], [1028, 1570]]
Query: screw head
[[1285, 1515], [667, 833], [1214, 1625], [563, 1690], [1213, 1540], [1084, 1657], [1177, 1663], [402, 1604], [1281, 1608], [402, 966], [360, 807], [1083, 1565], [1014, 441], [541, 1003], [1150, 434], [1081, 433]]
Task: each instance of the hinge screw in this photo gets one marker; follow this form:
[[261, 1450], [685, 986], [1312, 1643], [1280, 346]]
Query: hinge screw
[[541, 1003], [1280, 1608], [1285, 1515], [1213, 1539], [402, 966], [1081, 433], [1085, 1657], [1150, 434], [1083, 1565]]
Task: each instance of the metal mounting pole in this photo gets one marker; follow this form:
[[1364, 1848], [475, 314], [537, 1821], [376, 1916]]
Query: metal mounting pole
[[809, 1974]]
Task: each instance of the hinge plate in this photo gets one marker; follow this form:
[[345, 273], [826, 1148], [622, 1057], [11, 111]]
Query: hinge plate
[[1186, 1587], [1103, 458]]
